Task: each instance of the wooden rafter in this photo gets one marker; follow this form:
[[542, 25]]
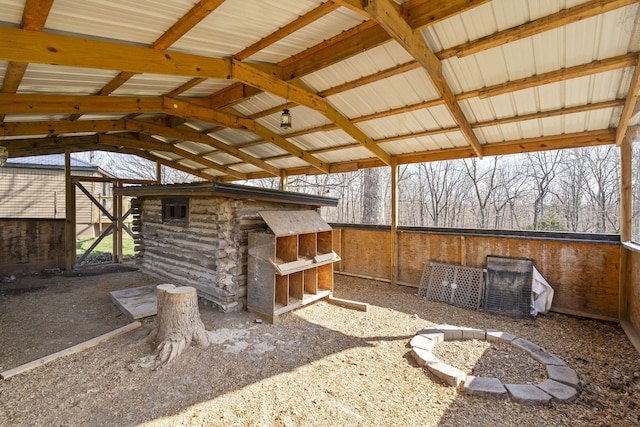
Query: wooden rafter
[[263, 81], [288, 29], [28, 46], [52, 128], [629, 105], [391, 20], [34, 17], [155, 145], [537, 26], [183, 134]]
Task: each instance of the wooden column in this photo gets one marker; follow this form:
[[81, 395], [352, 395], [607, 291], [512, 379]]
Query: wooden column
[[158, 173], [283, 180], [625, 189], [394, 220], [626, 209], [117, 225], [70, 215]]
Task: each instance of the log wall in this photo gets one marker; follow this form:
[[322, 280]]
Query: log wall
[[584, 273], [209, 253], [30, 245]]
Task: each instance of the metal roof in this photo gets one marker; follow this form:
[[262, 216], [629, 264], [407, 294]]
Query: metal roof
[[364, 84], [50, 161]]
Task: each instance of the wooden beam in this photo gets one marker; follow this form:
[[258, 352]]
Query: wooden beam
[[528, 29], [13, 76], [391, 20], [192, 135], [180, 108], [304, 96], [288, 29], [170, 148], [594, 67], [28, 46], [52, 128], [394, 221], [185, 87], [629, 105], [69, 215], [71, 350], [423, 13], [59, 104], [201, 10], [626, 194]]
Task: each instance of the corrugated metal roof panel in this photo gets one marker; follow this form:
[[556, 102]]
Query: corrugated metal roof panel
[[247, 168], [206, 88], [194, 147], [321, 29], [255, 104], [233, 136], [150, 85], [40, 78], [103, 116], [289, 162], [356, 153], [34, 117], [433, 118], [364, 64], [11, 11], [3, 71], [165, 155], [222, 157], [123, 20], [234, 26], [400, 90], [320, 140], [265, 150], [425, 143]]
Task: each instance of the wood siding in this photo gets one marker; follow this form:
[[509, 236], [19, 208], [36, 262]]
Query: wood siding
[[633, 290], [584, 275], [210, 251], [30, 245]]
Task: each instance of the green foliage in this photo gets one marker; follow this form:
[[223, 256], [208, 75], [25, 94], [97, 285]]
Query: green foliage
[[550, 221], [105, 246]]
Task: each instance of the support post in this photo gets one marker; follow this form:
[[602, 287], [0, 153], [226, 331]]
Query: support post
[[117, 229], [283, 180], [394, 220], [158, 173], [70, 214], [625, 225]]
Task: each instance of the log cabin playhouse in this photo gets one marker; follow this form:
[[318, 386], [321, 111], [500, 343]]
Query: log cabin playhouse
[[198, 235]]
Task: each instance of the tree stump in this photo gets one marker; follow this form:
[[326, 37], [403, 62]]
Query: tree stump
[[177, 325]]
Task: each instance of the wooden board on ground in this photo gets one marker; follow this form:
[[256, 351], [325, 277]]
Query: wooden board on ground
[[71, 350], [136, 303]]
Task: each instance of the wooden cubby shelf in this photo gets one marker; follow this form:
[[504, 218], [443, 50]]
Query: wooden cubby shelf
[[291, 264]]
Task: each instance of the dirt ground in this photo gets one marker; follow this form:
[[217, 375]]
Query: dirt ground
[[322, 365]]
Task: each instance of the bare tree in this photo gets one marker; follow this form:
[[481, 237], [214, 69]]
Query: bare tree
[[542, 170], [483, 184], [603, 174], [372, 196]]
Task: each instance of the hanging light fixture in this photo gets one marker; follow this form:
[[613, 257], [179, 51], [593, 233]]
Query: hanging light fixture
[[285, 119]]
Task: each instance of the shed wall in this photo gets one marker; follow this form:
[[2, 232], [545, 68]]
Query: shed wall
[[30, 245], [584, 275], [210, 252], [633, 297]]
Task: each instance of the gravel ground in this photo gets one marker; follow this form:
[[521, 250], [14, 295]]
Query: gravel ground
[[322, 365]]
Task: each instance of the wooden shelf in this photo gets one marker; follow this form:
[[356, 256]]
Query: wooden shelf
[[289, 271]]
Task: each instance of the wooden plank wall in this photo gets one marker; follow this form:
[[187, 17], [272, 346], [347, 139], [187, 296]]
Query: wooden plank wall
[[633, 296], [30, 245], [584, 275]]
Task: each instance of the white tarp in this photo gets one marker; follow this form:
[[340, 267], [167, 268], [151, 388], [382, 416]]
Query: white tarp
[[541, 294]]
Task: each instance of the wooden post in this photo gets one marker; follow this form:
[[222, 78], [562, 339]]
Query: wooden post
[[158, 173], [117, 230], [70, 214], [283, 180], [625, 189], [626, 207], [394, 220]]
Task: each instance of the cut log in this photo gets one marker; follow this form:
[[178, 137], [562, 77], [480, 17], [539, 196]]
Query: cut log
[[178, 324]]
